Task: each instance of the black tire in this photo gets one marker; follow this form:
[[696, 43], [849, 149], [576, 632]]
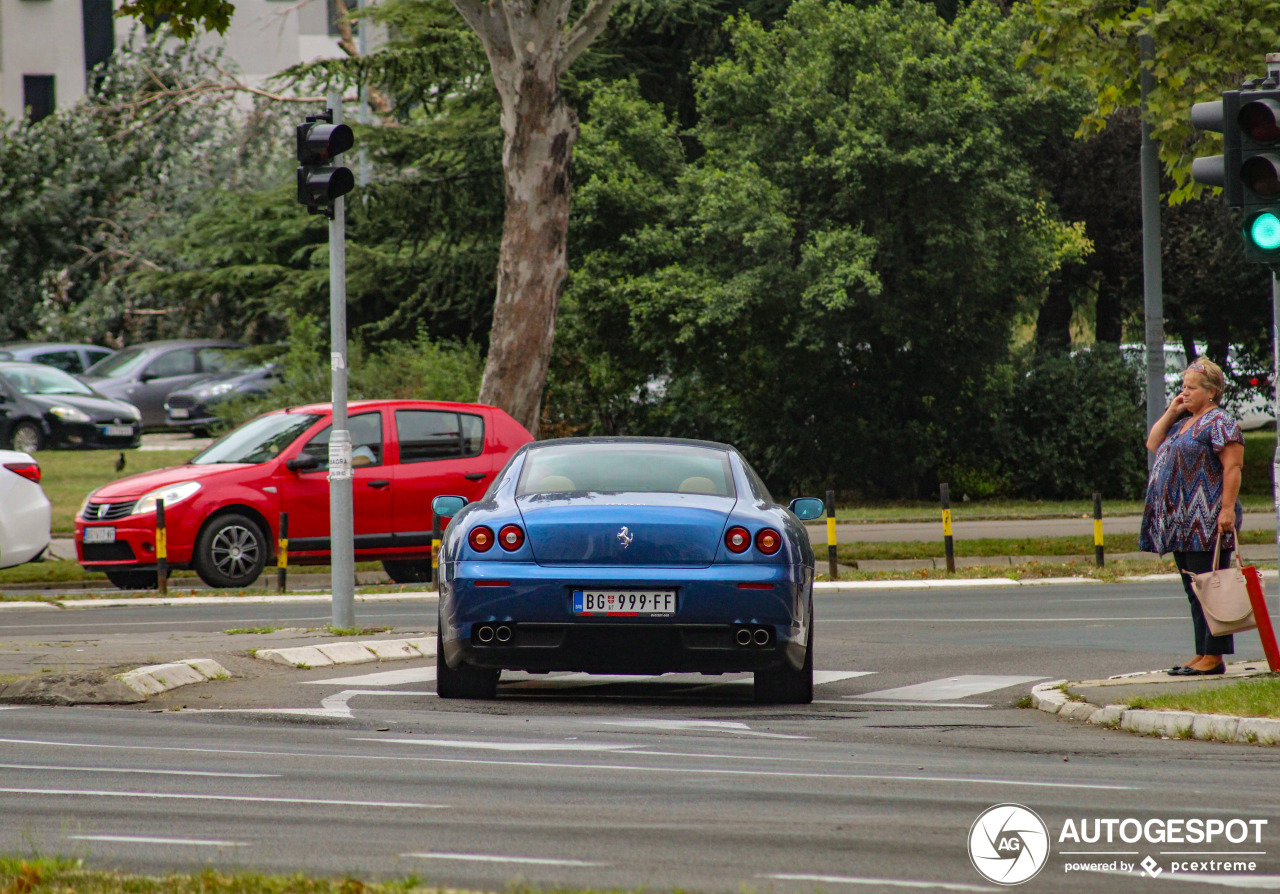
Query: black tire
[[787, 686], [133, 580], [231, 551], [463, 681], [27, 437], [404, 572]]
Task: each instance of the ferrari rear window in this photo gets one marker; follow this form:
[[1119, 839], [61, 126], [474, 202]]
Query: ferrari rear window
[[626, 468]]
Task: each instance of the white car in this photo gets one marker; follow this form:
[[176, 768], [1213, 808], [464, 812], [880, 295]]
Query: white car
[[24, 510], [1251, 408]]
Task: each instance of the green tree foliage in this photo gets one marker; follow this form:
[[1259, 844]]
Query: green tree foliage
[[828, 278], [1202, 47], [1062, 427], [416, 369], [88, 192]]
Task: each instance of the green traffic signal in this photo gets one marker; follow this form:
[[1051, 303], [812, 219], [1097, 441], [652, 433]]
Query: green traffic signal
[[1264, 231]]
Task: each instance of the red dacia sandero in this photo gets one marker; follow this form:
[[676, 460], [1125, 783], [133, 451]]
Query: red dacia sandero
[[222, 509]]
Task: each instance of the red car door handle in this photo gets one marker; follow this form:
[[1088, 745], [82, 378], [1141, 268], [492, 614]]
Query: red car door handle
[[379, 484], [474, 476]]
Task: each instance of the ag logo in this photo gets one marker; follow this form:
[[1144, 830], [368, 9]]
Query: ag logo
[[1008, 844]]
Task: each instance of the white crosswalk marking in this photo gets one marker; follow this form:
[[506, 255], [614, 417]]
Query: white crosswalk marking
[[947, 688]]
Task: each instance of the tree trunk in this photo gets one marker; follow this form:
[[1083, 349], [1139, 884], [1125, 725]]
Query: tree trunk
[[529, 49], [533, 261]]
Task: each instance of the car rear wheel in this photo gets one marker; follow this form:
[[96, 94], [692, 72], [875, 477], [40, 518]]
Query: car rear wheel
[[787, 686], [463, 681], [27, 437], [231, 551], [403, 572], [133, 580]]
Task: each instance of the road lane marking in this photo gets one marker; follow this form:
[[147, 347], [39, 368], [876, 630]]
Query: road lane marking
[[1248, 882], [334, 706], [493, 858], [384, 678], [879, 703], [714, 726], [502, 746], [142, 839], [329, 757], [883, 882], [127, 770], [961, 686], [777, 774], [183, 796]]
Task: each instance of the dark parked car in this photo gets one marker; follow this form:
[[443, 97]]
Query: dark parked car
[[71, 358], [44, 407], [146, 374], [194, 408]]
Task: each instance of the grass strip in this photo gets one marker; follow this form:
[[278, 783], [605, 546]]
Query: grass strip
[[1109, 573], [1000, 546], [68, 476], [59, 875], [1252, 697]]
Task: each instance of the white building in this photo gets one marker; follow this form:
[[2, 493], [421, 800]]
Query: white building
[[48, 47]]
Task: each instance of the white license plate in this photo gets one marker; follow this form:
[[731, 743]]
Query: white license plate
[[624, 603], [100, 534], [179, 413], [117, 431]]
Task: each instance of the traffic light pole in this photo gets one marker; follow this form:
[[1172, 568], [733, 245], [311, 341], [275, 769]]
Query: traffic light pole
[[341, 514], [1275, 383], [1152, 270]]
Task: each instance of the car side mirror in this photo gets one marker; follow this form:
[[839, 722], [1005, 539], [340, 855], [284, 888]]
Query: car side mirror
[[303, 462], [807, 508], [447, 507]]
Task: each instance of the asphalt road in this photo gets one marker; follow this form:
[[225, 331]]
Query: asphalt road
[[652, 782]]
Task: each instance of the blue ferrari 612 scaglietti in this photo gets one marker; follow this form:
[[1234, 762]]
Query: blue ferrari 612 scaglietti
[[626, 556]]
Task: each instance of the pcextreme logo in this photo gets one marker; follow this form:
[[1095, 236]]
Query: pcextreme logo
[[1008, 844]]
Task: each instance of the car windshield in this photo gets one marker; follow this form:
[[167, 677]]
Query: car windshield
[[121, 363], [626, 468], [44, 380], [257, 441]]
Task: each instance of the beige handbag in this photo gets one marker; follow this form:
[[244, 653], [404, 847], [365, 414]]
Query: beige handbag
[[1224, 595]]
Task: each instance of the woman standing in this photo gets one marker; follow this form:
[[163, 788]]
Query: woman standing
[[1191, 496]]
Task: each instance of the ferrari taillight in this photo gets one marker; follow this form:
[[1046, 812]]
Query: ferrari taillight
[[768, 541], [737, 539], [480, 538], [511, 538]]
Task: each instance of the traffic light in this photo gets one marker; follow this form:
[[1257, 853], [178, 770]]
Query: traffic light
[[1258, 119], [319, 181], [1223, 170]]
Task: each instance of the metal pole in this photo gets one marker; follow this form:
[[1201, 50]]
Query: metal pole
[[832, 570], [362, 45], [948, 543], [282, 553], [341, 514], [1099, 554], [435, 550], [162, 552], [1275, 408], [1152, 272]]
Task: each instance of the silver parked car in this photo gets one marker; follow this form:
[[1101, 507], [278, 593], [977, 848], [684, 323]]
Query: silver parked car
[[145, 374]]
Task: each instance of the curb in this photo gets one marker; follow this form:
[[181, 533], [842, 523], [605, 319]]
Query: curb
[[1048, 697], [157, 678], [306, 657]]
